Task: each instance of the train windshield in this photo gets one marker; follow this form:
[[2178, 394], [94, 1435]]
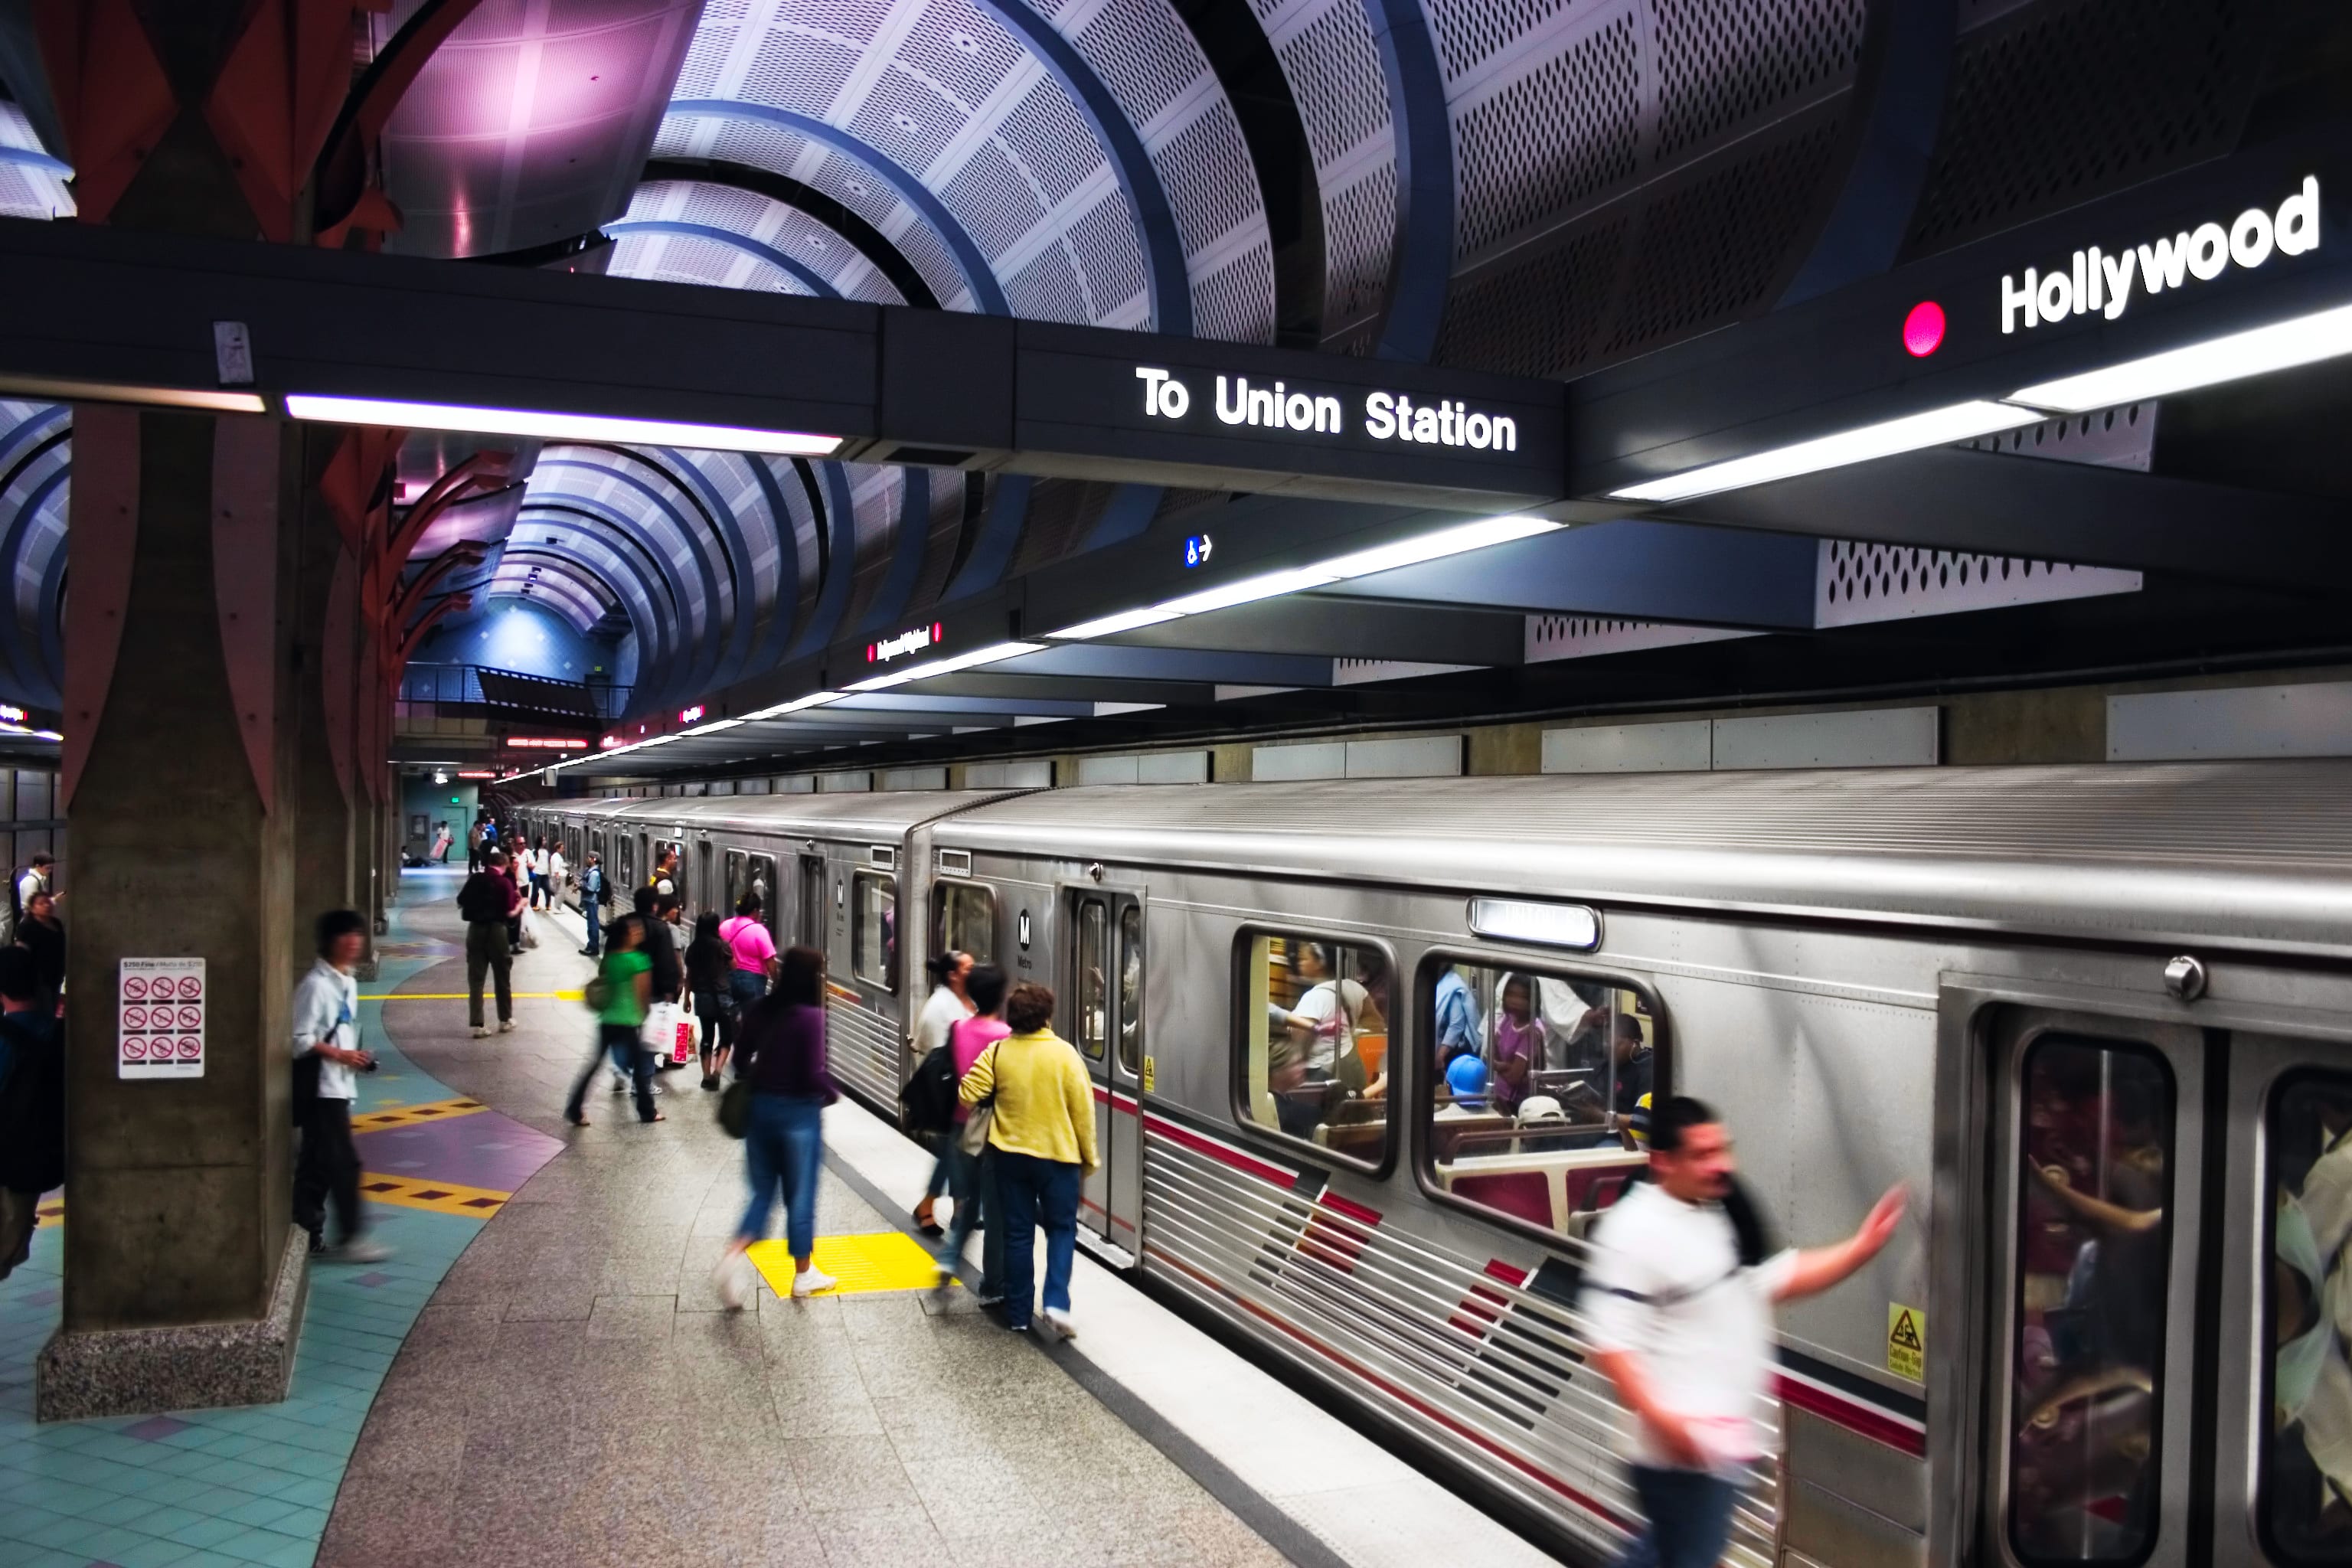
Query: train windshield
[[963, 920], [2305, 1494], [874, 930], [2086, 1368]]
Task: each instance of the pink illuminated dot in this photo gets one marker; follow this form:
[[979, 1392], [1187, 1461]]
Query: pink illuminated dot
[[1923, 329]]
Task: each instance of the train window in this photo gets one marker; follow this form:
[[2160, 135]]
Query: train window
[[1094, 979], [1536, 1080], [874, 929], [1314, 1042], [760, 881], [1130, 988], [2303, 1494], [811, 886], [2086, 1366], [963, 919]]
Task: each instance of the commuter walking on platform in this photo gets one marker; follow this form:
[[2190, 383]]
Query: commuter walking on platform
[[622, 995], [488, 901], [972, 1177], [556, 871], [533, 860], [1042, 1130], [513, 871], [780, 1053], [32, 1105], [326, 1052], [592, 902], [948, 1005], [43, 935], [1678, 1300], [710, 980]]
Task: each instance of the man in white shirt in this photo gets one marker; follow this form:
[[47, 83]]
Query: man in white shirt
[[1679, 1310], [326, 1054]]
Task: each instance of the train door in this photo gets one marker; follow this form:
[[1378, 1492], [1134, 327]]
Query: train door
[[735, 880], [2098, 1162], [759, 881], [810, 928], [1105, 1013]]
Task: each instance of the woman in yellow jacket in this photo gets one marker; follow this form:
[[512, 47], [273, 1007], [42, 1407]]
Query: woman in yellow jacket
[[1043, 1137]]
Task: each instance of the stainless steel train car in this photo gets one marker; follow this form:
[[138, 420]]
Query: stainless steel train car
[[2099, 1019]]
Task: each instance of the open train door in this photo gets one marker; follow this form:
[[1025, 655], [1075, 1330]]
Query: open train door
[[1104, 1014]]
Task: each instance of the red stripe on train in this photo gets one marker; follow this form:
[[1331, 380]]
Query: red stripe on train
[[1221, 1154], [1850, 1414], [1590, 1505]]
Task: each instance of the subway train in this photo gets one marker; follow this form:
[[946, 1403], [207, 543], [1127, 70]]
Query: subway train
[[2099, 1020]]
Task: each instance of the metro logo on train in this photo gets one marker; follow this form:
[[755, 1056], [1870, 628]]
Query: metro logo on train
[[2096, 280], [1384, 416]]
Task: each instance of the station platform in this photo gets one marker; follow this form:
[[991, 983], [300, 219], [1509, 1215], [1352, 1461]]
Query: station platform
[[545, 1371]]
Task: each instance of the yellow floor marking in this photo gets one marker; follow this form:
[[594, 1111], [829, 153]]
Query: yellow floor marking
[[439, 1197], [885, 1260], [407, 1115], [48, 1214], [462, 997]]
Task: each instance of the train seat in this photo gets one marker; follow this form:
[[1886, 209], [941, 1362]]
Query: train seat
[[1523, 1195]]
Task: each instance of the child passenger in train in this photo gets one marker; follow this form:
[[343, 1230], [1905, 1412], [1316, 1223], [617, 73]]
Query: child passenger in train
[[1518, 1043]]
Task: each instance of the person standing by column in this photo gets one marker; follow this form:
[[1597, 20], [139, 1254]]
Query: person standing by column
[[1678, 1300], [326, 1032], [592, 902], [32, 1105], [1043, 1137], [488, 901], [43, 935], [780, 1051]]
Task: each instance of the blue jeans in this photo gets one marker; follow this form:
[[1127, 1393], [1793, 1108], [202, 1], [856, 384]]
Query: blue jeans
[[784, 1146], [1035, 1193], [592, 911], [745, 987], [1689, 1515], [972, 1178], [619, 1043]]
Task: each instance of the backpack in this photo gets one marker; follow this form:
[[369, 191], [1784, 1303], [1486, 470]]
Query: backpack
[[929, 1102], [597, 995]]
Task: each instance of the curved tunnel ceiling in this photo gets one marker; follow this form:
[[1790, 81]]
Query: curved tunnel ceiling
[[1538, 187]]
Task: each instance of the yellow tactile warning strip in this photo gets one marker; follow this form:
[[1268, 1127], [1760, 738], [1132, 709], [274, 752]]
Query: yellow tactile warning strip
[[439, 1197], [885, 1260], [463, 996], [48, 1214], [408, 1115]]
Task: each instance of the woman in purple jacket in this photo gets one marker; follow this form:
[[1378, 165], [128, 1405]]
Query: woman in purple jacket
[[780, 1052]]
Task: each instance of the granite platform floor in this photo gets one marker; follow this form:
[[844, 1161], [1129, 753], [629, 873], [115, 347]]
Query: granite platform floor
[[573, 1392], [216, 1489]]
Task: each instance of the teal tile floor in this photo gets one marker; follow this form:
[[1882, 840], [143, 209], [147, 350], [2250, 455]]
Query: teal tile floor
[[218, 1489]]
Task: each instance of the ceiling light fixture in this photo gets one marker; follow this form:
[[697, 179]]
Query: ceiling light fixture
[[64, 389], [813, 699], [947, 666], [1436, 546], [554, 425], [1933, 427], [1111, 626], [2283, 345]]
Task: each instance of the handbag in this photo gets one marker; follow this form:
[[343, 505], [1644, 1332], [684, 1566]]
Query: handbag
[[974, 1137], [529, 934], [735, 1109]]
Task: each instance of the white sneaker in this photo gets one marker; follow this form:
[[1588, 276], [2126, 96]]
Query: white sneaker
[[728, 1277], [1057, 1323], [505, 1025], [360, 1250], [480, 1033], [809, 1282]]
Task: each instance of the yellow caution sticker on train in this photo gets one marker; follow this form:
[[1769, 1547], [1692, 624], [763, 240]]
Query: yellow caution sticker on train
[[1907, 1342], [1147, 1074]]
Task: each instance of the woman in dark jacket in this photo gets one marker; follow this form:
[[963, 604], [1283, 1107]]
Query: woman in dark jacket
[[710, 968], [780, 1052]]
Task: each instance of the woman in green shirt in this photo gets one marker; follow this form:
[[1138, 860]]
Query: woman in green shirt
[[627, 975]]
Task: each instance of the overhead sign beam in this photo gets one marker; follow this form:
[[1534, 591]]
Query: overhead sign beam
[[100, 313]]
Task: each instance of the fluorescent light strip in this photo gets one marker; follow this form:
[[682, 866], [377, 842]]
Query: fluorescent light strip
[[813, 699], [2283, 345], [553, 425], [61, 389], [1934, 427], [1411, 551], [947, 666], [710, 729]]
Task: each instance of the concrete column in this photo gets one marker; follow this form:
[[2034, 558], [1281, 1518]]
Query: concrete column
[[183, 1273]]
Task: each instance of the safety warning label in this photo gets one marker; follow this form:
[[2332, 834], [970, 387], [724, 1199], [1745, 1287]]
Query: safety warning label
[[1907, 1342], [161, 1011]]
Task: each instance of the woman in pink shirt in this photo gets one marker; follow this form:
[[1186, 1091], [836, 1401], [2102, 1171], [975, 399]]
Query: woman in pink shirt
[[746, 935], [972, 1178]]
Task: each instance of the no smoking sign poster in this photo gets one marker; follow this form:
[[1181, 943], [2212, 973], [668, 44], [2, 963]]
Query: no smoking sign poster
[[160, 1014]]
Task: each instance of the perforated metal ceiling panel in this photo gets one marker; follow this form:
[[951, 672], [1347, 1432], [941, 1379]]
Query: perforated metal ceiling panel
[[764, 224], [32, 182], [1629, 172], [35, 474], [2054, 102], [938, 93]]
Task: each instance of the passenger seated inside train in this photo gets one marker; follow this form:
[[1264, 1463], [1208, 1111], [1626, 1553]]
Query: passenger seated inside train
[[1318, 1041], [1525, 1120]]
